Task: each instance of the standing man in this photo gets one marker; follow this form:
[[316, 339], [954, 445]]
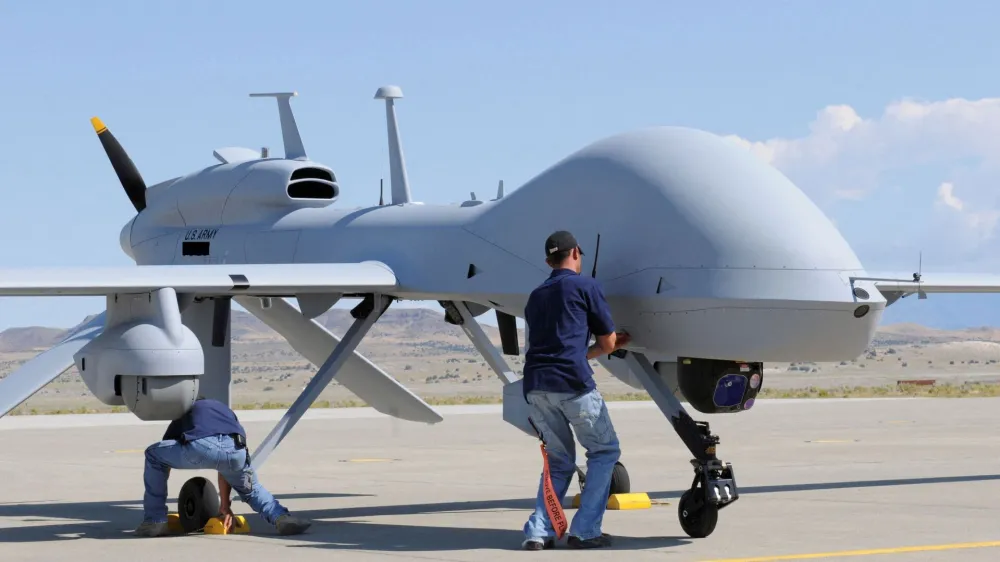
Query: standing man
[[561, 314], [208, 437]]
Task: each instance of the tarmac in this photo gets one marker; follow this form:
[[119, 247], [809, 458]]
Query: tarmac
[[880, 479]]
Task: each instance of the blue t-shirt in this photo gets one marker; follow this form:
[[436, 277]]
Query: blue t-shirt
[[206, 418], [561, 314]]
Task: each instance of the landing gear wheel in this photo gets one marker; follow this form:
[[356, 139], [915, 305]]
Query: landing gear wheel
[[620, 483], [698, 517], [619, 480], [197, 503]]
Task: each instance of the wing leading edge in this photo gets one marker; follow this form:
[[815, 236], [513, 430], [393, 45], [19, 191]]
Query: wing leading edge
[[46, 366], [941, 283], [229, 279], [893, 287]]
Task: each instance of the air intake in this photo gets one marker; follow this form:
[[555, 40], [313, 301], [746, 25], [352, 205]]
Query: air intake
[[312, 189], [313, 184], [312, 173]]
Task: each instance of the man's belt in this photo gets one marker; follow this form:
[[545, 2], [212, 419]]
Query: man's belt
[[238, 439]]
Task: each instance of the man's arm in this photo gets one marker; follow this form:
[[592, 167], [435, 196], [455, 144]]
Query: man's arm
[[225, 490], [601, 324], [603, 346], [225, 505]]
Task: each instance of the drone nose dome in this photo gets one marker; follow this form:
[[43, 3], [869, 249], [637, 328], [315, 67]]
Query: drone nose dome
[[676, 198]]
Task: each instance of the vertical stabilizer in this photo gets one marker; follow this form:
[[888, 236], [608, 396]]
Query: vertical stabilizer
[[398, 183], [294, 150]]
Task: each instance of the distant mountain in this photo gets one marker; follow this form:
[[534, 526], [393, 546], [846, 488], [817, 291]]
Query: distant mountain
[[909, 333], [945, 311], [404, 325], [26, 339], [421, 326]]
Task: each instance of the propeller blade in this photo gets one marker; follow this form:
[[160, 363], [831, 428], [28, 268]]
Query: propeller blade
[[46, 366], [128, 174]]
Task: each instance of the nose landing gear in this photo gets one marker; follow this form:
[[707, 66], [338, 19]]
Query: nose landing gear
[[713, 488], [714, 485]]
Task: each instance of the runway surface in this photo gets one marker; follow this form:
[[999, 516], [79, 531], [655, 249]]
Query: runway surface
[[904, 479]]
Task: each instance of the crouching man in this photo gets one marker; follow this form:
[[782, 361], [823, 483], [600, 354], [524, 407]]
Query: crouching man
[[208, 437]]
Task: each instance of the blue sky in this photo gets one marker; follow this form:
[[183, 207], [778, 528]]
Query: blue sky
[[500, 91]]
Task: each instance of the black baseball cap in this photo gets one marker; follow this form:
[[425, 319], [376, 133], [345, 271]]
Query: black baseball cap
[[560, 240]]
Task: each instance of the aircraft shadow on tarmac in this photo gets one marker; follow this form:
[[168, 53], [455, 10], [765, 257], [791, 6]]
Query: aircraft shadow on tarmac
[[96, 520], [360, 535], [115, 520]]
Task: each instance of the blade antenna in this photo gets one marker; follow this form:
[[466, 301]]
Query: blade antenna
[[381, 192], [597, 252], [919, 274]]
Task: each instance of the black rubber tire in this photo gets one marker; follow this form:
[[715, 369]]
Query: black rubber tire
[[697, 522], [620, 483], [197, 503]]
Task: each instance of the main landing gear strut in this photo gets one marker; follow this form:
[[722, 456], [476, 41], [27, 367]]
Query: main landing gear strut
[[198, 498], [714, 484], [365, 314]]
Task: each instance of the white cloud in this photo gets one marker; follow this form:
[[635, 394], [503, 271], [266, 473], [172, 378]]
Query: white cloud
[[922, 173], [982, 222], [946, 196]]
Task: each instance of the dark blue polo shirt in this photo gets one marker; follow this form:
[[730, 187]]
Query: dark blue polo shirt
[[561, 314], [205, 418]]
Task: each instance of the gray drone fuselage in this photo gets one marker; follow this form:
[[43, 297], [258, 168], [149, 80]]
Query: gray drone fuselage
[[705, 251], [710, 258]]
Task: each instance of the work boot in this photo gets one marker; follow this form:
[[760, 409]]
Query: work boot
[[537, 544], [151, 529], [288, 525], [596, 542]]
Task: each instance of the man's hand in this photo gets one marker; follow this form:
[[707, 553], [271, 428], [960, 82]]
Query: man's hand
[[622, 339], [226, 514]]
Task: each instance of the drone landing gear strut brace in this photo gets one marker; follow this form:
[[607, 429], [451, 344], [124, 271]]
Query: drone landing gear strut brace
[[365, 315], [198, 498]]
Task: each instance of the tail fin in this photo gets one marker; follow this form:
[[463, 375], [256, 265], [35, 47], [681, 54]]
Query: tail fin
[[294, 150]]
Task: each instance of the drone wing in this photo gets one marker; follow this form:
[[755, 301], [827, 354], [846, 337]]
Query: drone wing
[[205, 280], [44, 368], [939, 283], [213, 279]]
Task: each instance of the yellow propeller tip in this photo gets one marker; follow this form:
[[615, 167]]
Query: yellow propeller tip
[[98, 125]]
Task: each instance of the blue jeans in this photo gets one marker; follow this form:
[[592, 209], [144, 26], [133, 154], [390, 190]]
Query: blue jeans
[[217, 453], [553, 415]]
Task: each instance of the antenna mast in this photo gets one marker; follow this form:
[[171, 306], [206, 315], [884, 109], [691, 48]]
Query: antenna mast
[[398, 182]]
